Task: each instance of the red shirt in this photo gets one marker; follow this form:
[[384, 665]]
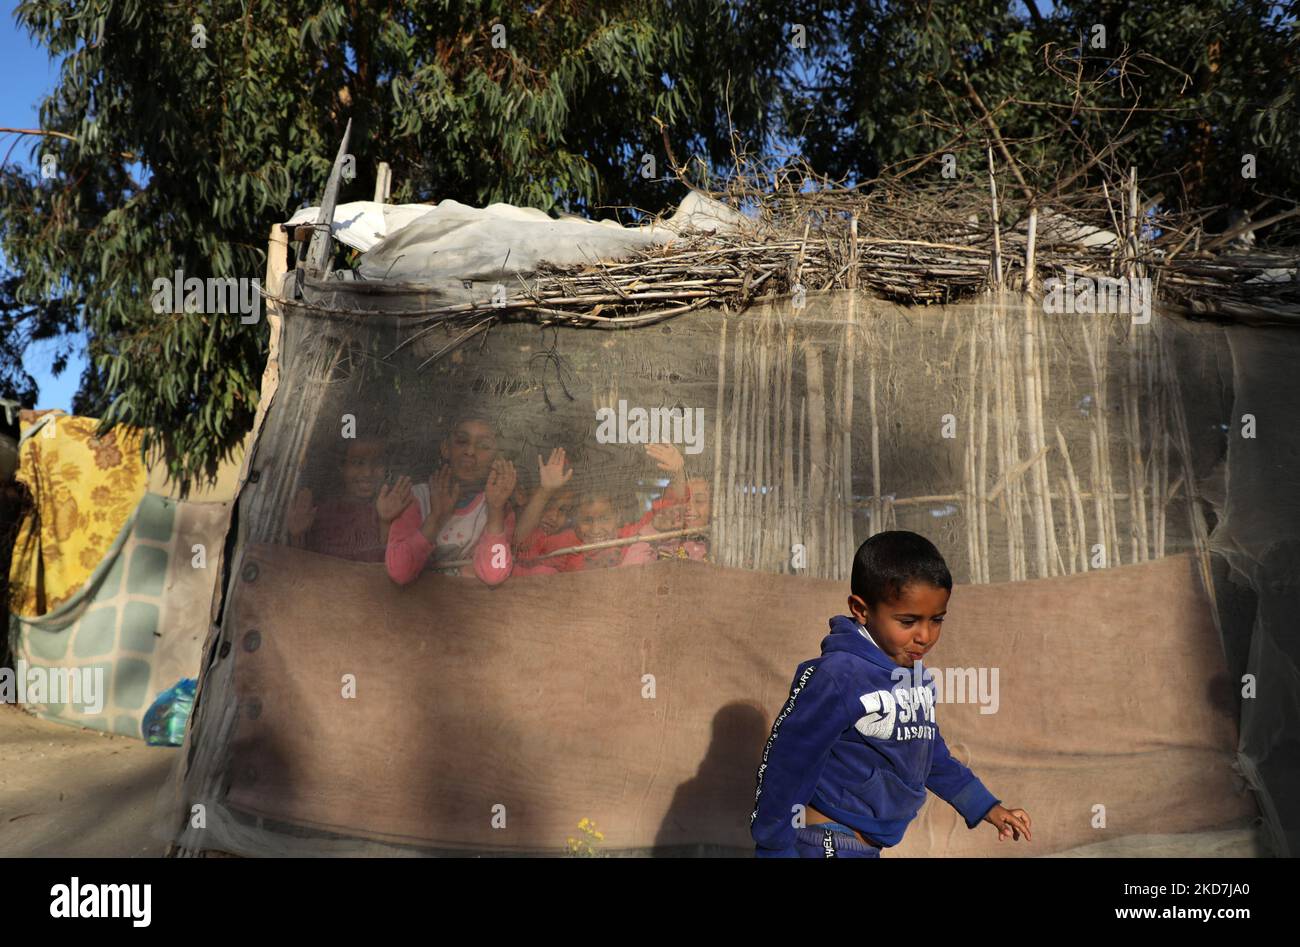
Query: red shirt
[[347, 528], [540, 543]]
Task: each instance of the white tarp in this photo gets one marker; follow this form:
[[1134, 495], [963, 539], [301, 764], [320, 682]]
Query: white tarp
[[362, 224], [419, 243]]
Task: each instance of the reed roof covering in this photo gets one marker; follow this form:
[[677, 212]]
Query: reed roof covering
[[908, 241]]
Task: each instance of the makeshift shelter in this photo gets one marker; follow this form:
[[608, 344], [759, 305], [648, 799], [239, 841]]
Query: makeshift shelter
[[1087, 476], [110, 573]]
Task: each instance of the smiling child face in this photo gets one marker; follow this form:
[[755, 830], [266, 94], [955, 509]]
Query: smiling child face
[[907, 627], [556, 515], [697, 507], [692, 514], [363, 469], [596, 521], [470, 451]]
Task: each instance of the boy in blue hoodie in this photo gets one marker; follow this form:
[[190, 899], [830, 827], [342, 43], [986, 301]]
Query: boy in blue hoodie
[[856, 745]]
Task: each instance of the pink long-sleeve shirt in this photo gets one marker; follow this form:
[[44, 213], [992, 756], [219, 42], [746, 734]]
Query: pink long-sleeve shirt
[[409, 552]]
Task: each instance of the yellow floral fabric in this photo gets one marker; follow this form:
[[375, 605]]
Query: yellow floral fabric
[[84, 490]]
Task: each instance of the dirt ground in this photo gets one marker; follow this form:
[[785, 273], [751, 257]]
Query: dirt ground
[[65, 791]]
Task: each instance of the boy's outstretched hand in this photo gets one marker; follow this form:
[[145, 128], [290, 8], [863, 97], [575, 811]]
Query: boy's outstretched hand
[[1010, 823]]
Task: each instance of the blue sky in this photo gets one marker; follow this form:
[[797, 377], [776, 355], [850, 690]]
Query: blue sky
[[27, 75]]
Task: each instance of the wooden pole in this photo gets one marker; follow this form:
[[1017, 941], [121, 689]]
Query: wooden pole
[[1137, 478], [1132, 220], [982, 480], [1071, 537], [593, 547], [758, 421], [718, 522], [730, 499], [1103, 486], [789, 487], [816, 449], [970, 502], [877, 510], [1030, 276], [1074, 499], [834, 492], [1042, 391], [277, 265], [773, 520], [383, 183], [1038, 500], [744, 536], [1004, 430], [846, 450], [1098, 504], [1161, 508], [800, 491], [997, 235]]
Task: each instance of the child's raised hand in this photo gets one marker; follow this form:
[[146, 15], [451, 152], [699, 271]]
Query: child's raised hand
[[393, 500], [1010, 823], [302, 513], [444, 491], [500, 484], [666, 457], [551, 473]]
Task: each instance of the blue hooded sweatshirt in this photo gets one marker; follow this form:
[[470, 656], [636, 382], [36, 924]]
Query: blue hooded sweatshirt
[[857, 739]]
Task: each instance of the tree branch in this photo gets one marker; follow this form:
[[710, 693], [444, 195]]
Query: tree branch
[[125, 155]]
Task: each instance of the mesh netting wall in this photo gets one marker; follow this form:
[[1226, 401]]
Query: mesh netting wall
[[1025, 445]]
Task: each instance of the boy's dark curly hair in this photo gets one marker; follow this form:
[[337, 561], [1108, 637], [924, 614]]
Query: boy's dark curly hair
[[887, 562]]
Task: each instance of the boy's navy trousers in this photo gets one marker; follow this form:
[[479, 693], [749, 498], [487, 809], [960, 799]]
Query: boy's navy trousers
[[831, 840]]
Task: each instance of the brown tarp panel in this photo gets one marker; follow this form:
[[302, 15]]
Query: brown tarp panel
[[1112, 693]]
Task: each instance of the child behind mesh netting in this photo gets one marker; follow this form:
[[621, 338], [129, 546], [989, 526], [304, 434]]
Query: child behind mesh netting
[[596, 520], [545, 520], [460, 521], [346, 524]]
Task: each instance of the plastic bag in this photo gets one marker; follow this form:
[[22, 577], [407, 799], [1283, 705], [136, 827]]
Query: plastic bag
[[164, 721]]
